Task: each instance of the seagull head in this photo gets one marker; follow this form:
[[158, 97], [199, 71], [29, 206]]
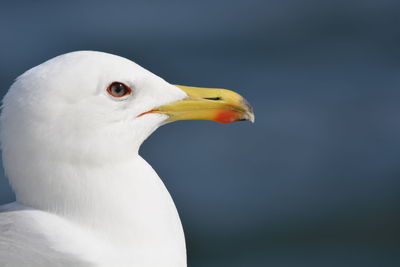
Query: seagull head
[[90, 101], [92, 108]]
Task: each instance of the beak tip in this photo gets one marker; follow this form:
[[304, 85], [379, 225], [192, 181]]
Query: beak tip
[[249, 115], [253, 120]]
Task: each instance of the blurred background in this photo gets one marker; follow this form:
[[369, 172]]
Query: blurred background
[[316, 180]]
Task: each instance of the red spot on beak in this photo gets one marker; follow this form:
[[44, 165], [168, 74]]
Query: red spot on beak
[[226, 116]]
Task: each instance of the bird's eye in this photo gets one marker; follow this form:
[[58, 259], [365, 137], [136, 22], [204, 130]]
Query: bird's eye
[[117, 89]]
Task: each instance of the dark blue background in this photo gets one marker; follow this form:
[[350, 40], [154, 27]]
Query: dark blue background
[[315, 181]]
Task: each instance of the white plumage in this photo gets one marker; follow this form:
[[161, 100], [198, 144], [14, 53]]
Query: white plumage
[[70, 150]]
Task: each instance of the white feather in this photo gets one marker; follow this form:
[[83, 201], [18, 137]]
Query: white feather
[[70, 151]]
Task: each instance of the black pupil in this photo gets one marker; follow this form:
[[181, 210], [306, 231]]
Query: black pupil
[[118, 89]]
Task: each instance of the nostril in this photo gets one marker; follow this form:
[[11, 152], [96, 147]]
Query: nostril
[[213, 98]]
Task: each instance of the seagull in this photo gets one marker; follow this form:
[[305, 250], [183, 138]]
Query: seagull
[[71, 129]]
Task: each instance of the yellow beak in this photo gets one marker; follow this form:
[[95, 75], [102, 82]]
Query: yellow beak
[[220, 105]]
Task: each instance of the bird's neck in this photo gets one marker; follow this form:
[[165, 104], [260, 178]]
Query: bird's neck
[[124, 202]]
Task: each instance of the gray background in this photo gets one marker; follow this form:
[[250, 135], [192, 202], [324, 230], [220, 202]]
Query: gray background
[[315, 181]]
